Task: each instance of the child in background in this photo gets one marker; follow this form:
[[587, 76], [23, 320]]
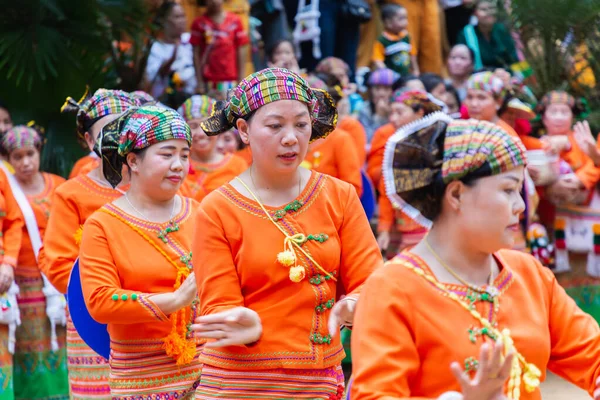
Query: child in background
[[393, 48], [283, 55], [220, 44], [209, 168], [375, 112]]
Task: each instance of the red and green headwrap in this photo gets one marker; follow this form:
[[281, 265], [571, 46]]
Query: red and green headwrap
[[198, 106], [267, 86], [417, 100], [137, 129], [103, 102], [21, 136], [437, 150], [488, 82]]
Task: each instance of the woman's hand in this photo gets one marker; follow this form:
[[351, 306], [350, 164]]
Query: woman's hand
[[491, 375], [564, 190], [383, 240], [556, 144], [586, 141], [186, 293], [237, 326], [7, 276], [342, 313]]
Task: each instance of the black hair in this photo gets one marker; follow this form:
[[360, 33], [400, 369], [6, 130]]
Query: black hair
[[389, 10], [452, 90], [140, 153], [471, 51], [271, 51], [403, 80], [431, 81], [3, 105], [163, 11]]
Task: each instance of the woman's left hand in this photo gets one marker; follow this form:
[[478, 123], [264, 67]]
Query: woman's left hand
[[7, 276], [342, 313]]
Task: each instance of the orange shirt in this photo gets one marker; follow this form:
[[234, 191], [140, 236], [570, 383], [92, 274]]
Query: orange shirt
[[336, 156], [235, 251], [355, 129], [407, 332], [204, 178], [73, 202], [117, 261], [84, 165], [581, 163], [12, 223], [529, 142], [245, 154], [375, 157], [27, 264]]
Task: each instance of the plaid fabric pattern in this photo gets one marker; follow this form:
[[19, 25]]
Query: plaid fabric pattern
[[471, 144], [383, 77], [489, 83], [197, 107], [414, 98], [20, 136], [104, 102], [557, 97]]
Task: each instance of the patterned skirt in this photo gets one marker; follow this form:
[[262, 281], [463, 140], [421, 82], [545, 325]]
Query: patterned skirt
[[152, 375], [218, 383], [6, 366], [39, 372], [88, 371]]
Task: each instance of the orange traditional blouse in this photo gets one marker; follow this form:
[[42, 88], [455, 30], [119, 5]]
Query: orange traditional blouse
[[12, 223], [84, 165], [581, 163], [336, 156], [121, 269], [359, 137], [204, 178], [27, 265], [235, 259], [73, 203], [375, 157], [407, 331]]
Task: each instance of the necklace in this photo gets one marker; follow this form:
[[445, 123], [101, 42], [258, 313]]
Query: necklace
[[490, 289], [256, 188], [143, 216]]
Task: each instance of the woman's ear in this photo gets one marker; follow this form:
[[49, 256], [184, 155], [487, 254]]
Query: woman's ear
[[133, 161], [453, 195], [243, 128]]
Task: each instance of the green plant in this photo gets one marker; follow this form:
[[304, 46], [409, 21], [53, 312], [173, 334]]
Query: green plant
[[51, 49]]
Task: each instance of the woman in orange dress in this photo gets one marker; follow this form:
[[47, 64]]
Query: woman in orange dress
[[276, 249], [146, 296], [40, 360], [458, 316], [73, 203], [209, 168]]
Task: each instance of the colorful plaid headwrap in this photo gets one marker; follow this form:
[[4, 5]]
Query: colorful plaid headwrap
[[422, 157], [559, 97], [20, 136], [198, 106], [102, 103], [329, 64], [488, 82], [417, 100], [137, 129], [269, 85], [383, 77]]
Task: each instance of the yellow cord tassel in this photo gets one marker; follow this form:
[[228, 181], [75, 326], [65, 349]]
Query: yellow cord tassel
[[288, 258]]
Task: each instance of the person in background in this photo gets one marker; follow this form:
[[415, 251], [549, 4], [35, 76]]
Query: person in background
[[408, 82], [460, 67], [424, 28], [393, 48], [220, 48], [172, 54], [492, 44], [5, 119], [375, 112], [406, 106], [434, 84], [452, 101], [40, 369], [458, 15], [209, 168], [283, 55]]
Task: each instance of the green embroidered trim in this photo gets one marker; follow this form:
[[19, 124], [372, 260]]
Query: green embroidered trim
[[317, 338], [475, 332], [173, 227], [321, 237], [187, 260], [294, 206], [328, 305]]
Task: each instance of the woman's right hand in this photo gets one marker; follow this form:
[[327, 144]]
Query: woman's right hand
[[492, 373], [187, 292], [7, 276], [236, 326], [586, 141]]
